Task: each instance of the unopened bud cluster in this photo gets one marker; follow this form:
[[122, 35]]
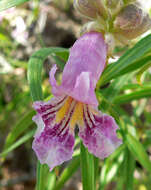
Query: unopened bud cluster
[[132, 21], [120, 22]]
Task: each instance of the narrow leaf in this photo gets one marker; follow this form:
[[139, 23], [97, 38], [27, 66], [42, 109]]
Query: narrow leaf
[[143, 93], [22, 140], [51, 180], [111, 167], [19, 129], [35, 69], [87, 167], [39, 181], [68, 172], [129, 167], [141, 71], [138, 151], [130, 61], [5, 4]]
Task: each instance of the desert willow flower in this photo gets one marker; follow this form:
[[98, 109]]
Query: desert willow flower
[[75, 102]]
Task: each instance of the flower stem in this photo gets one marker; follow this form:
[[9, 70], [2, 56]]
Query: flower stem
[[39, 185], [87, 167]]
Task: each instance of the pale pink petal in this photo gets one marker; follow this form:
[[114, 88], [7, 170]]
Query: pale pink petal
[[88, 55], [56, 90], [99, 135], [53, 148], [83, 90], [53, 144]]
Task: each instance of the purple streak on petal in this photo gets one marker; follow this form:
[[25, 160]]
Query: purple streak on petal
[[46, 113], [85, 65], [100, 138], [47, 110], [53, 104], [54, 149], [53, 142]]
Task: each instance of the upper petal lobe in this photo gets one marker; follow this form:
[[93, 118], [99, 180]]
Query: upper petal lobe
[[82, 71]]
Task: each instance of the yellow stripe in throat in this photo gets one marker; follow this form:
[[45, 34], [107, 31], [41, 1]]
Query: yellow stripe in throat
[[77, 117], [63, 110]]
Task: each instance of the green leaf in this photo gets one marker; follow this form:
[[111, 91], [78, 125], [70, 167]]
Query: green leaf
[[138, 151], [132, 86], [129, 62], [5, 4], [96, 171], [115, 87], [45, 179], [141, 71], [87, 167], [35, 69], [40, 172], [129, 167], [22, 140], [111, 166], [51, 180], [20, 128], [68, 172], [143, 93]]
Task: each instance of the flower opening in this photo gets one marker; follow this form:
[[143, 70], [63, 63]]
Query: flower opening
[[74, 103]]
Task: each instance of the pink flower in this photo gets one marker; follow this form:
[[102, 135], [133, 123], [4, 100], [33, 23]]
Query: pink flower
[[74, 103]]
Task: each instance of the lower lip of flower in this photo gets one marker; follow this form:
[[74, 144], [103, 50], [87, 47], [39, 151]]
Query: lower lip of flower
[[56, 122]]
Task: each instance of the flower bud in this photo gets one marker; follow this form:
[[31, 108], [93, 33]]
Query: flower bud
[[89, 27], [91, 8], [96, 26], [132, 21]]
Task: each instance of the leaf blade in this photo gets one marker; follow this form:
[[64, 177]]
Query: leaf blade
[[87, 167], [20, 127], [5, 4], [138, 151], [125, 98], [128, 62]]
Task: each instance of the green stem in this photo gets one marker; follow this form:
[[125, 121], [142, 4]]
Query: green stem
[[67, 173], [129, 166], [87, 167], [96, 171], [39, 185]]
